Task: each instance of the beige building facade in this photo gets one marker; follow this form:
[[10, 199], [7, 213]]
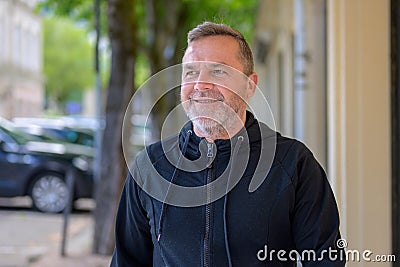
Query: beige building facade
[[21, 81], [324, 65]]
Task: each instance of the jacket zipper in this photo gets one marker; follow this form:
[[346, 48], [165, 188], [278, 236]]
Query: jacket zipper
[[210, 155]]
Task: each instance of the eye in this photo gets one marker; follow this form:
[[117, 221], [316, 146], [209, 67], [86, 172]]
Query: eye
[[191, 73], [219, 72]]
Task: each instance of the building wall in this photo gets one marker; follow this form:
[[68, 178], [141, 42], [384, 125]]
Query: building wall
[[345, 112], [21, 83], [273, 49], [290, 53]]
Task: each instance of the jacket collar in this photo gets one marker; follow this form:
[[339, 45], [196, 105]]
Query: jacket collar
[[251, 130]]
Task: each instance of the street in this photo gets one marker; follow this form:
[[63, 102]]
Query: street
[[27, 235]]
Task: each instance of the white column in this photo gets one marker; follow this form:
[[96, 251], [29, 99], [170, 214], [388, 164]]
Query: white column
[[359, 121]]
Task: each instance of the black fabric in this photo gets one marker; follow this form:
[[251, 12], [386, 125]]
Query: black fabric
[[293, 208]]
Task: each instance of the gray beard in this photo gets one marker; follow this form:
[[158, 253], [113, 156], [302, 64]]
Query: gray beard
[[209, 127], [214, 123]]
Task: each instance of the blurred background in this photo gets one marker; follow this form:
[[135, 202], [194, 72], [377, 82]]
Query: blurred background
[[68, 69]]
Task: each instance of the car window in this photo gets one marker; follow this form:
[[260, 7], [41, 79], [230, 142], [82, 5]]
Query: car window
[[18, 138], [16, 135]]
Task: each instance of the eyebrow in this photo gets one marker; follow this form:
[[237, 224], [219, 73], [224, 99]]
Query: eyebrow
[[193, 65], [189, 66], [214, 65]]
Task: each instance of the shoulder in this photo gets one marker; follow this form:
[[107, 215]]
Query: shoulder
[[288, 148], [293, 155], [158, 149]]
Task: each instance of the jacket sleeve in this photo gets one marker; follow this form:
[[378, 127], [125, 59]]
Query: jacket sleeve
[[133, 244], [316, 218]]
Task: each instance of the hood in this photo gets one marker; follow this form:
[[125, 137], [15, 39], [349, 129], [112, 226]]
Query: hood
[[254, 130]]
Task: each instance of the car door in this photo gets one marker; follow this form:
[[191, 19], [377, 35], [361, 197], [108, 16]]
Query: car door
[[14, 169]]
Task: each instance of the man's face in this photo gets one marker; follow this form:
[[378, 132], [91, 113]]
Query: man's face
[[214, 90]]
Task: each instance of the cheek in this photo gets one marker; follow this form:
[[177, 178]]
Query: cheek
[[186, 90], [233, 95]]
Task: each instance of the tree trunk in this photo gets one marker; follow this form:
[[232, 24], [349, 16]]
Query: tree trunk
[[122, 33], [163, 19]]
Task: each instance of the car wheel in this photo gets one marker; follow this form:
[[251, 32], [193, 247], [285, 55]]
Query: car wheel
[[49, 193]]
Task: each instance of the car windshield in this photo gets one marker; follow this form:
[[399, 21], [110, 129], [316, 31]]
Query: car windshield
[[18, 136]]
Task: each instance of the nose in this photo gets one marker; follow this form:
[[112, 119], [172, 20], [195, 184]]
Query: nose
[[201, 86], [203, 82]]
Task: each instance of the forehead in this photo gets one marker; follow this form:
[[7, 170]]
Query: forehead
[[221, 49]]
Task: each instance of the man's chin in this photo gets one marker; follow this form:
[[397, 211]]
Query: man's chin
[[205, 121], [206, 124]]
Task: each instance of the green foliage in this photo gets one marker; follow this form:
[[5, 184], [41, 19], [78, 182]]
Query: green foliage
[[81, 11], [142, 70], [68, 60], [239, 14]]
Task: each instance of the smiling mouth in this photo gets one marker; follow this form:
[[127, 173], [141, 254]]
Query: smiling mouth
[[206, 100]]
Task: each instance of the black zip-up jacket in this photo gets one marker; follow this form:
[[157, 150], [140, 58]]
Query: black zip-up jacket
[[280, 204]]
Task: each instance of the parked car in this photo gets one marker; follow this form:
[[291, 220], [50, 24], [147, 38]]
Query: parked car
[[36, 168], [61, 134], [59, 129]]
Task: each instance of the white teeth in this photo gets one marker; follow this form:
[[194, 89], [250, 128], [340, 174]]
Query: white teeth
[[205, 100]]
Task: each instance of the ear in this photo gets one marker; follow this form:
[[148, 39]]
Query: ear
[[252, 84]]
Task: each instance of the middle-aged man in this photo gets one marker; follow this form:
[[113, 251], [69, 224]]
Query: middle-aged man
[[238, 193]]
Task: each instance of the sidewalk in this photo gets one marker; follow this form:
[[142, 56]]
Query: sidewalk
[[33, 239], [82, 259], [85, 260], [78, 252]]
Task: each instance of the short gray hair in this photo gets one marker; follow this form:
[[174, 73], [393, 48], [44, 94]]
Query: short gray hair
[[214, 29]]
